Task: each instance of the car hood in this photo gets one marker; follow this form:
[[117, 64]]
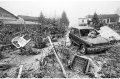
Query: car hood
[[97, 40]]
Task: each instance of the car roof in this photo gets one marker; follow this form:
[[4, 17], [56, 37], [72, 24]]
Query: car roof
[[83, 27]]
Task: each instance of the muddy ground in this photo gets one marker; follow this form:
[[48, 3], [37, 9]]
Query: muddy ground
[[32, 67]]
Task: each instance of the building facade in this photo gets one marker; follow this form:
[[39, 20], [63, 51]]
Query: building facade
[[29, 18], [105, 18], [83, 21], [7, 17]]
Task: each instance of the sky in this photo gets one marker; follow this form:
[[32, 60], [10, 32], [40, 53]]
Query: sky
[[53, 8]]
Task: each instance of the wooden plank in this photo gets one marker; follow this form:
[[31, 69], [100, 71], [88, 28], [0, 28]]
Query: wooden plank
[[64, 72], [20, 71]]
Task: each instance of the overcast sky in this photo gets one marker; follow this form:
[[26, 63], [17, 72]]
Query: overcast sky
[[74, 8]]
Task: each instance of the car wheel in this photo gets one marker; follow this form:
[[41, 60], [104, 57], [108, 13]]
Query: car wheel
[[83, 49]]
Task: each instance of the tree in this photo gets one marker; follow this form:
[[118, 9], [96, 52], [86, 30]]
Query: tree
[[42, 19], [64, 20], [96, 21]]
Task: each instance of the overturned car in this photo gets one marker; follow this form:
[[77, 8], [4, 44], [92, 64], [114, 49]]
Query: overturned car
[[91, 40]]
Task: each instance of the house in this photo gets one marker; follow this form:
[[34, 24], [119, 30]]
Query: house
[[29, 18], [105, 18], [83, 21], [6, 15]]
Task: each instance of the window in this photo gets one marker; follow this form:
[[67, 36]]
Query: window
[[75, 31], [85, 32], [107, 20], [72, 30], [113, 19], [82, 21]]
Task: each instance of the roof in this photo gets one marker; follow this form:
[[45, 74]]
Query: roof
[[17, 22], [83, 27], [104, 16], [6, 15], [28, 18], [82, 18]]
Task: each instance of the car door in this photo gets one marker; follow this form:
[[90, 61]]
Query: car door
[[77, 36]]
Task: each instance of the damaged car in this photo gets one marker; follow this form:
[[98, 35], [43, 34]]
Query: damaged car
[[89, 39]]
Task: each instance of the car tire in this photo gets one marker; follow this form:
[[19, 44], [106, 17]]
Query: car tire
[[83, 49]]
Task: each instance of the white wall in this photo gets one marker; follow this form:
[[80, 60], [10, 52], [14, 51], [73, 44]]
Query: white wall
[[82, 20]]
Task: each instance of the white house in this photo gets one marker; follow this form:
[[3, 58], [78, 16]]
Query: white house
[[106, 18]]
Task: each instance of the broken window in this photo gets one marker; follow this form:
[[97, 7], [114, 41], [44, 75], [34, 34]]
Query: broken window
[[76, 32], [72, 30], [84, 32]]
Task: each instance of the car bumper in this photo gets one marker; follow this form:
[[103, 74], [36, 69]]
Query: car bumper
[[99, 48]]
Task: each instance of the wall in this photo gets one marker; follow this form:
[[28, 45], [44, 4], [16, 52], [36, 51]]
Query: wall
[[82, 21]]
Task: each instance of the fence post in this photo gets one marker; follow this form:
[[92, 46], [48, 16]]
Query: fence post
[[64, 72], [20, 71]]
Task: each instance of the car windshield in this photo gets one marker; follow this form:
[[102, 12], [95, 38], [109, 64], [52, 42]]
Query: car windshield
[[85, 32]]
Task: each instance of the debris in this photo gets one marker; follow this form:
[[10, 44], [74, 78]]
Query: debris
[[107, 32], [85, 65], [20, 41], [79, 64]]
